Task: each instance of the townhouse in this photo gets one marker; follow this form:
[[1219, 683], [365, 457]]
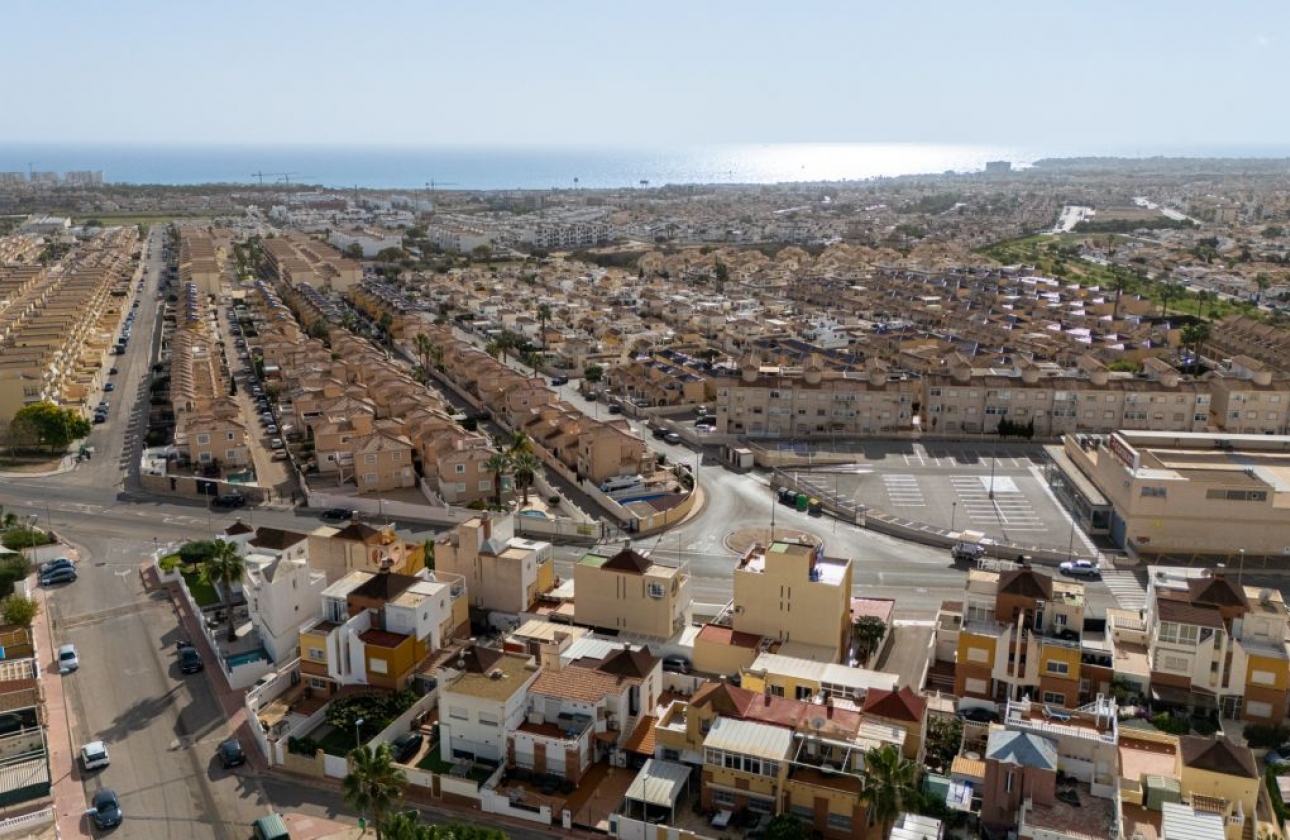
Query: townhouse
[[631, 594], [282, 590], [358, 547], [504, 573], [483, 696]]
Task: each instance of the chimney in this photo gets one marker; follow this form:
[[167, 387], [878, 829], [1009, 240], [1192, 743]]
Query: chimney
[[487, 523], [550, 658]]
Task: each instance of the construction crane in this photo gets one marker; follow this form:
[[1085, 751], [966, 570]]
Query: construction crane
[[431, 184], [262, 175], [287, 176]]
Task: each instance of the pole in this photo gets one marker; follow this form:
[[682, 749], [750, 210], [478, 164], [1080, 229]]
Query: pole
[[1070, 546], [49, 516], [954, 512], [992, 460], [358, 738], [1240, 570]]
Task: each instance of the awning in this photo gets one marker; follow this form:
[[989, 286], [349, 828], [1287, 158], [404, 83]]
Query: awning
[[659, 783], [607, 737], [959, 797], [1183, 697]]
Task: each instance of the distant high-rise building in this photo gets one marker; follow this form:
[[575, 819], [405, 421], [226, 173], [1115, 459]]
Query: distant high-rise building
[[85, 178], [998, 167], [13, 177]]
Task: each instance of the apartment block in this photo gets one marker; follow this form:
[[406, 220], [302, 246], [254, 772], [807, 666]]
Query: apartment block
[[358, 547], [792, 592]]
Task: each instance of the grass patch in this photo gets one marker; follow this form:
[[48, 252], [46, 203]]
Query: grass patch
[[433, 763], [337, 742], [203, 593]]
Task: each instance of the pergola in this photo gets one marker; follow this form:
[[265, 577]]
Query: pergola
[[657, 786]]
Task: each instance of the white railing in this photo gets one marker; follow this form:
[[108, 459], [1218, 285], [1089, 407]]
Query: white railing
[[26, 822]]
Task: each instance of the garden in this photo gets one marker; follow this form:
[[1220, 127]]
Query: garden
[[353, 720]]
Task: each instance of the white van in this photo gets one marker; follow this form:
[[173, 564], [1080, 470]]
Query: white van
[[622, 482]]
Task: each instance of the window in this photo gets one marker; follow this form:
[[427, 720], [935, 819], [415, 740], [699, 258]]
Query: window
[[370, 478], [841, 822], [1262, 678], [231, 454], [378, 666], [723, 797], [671, 755], [370, 458], [459, 469], [1237, 495], [458, 713], [319, 683], [1054, 698], [1153, 492], [206, 457], [317, 654], [1259, 710], [972, 686], [976, 654], [203, 439], [761, 806], [228, 435], [1178, 634], [1056, 666], [1175, 663], [485, 719], [657, 590], [803, 812]]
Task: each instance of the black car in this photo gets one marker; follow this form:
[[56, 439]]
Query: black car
[[659, 434], [230, 754], [229, 500], [406, 746], [338, 515], [676, 665], [64, 574], [190, 661], [106, 810], [559, 380], [978, 715]]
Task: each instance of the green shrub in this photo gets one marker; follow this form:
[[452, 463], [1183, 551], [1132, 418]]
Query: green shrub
[[1266, 736], [303, 746], [477, 505], [1166, 722], [20, 536], [13, 568], [197, 551], [169, 563], [553, 501], [1204, 726]]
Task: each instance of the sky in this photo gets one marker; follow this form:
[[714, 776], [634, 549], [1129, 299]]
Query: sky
[[1143, 74]]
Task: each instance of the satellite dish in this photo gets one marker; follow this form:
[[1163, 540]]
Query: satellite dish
[[818, 723]]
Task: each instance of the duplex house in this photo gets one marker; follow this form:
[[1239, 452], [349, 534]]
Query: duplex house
[[483, 696], [503, 572], [631, 594]]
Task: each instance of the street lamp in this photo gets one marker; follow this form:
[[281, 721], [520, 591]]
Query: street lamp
[[1240, 570], [358, 739], [993, 458], [954, 512]]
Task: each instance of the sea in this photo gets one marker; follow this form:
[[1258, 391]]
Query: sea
[[543, 168]]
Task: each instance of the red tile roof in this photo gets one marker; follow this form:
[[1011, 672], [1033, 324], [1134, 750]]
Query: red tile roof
[[905, 704], [718, 634]]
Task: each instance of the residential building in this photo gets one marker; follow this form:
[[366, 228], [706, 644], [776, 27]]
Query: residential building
[[631, 594], [483, 696], [503, 572], [792, 592], [806, 679], [1214, 645], [357, 546], [282, 593]]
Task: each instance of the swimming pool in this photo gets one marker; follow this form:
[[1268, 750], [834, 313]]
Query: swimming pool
[[246, 658]]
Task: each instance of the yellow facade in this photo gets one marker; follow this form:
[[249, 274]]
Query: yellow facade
[[1224, 786], [390, 667], [790, 592], [1070, 656], [1279, 668]]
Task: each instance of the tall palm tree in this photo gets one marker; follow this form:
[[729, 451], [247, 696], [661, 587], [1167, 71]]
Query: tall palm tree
[[374, 783], [425, 350], [222, 569], [525, 466], [544, 315], [890, 785], [520, 443], [499, 463], [1168, 292]]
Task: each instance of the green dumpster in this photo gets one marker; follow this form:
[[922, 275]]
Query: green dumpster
[[803, 502]]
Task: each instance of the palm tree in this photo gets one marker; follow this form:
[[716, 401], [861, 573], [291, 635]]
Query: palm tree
[[1193, 336], [1263, 281], [533, 360], [544, 315], [525, 466], [520, 443], [222, 569], [1168, 292], [406, 825], [499, 463], [868, 632], [374, 783], [890, 785], [425, 350]]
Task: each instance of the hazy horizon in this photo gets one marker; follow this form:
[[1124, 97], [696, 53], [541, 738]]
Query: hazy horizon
[[576, 74]]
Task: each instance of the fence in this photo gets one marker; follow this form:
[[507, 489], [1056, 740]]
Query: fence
[[28, 824], [335, 766], [403, 723], [568, 529], [194, 487], [390, 508], [492, 802]]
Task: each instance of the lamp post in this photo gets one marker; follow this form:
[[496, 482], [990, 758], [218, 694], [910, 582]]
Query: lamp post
[[954, 512], [358, 738], [992, 460], [1240, 570], [1070, 545]]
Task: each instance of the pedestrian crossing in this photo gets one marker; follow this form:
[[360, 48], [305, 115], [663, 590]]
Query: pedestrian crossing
[[1129, 592], [996, 500], [903, 490]]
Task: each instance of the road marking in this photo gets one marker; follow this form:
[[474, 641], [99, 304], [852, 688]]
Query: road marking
[[1125, 587]]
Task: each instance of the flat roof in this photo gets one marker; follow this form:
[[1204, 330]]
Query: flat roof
[[825, 673], [744, 737], [659, 783]]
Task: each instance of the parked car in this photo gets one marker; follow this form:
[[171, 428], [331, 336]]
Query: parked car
[[106, 809], [276, 443], [94, 756], [60, 563], [113, 371], [68, 660], [676, 664], [671, 437], [271, 429], [109, 387], [338, 515], [615, 409], [63, 575], [229, 500], [406, 746], [978, 715], [100, 419], [280, 455], [1079, 568], [190, 661], [659, 434], [231, 754], [559, 380]]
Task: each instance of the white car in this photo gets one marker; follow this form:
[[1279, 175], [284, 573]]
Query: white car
[[68, 661], [1085, 568], [94, 755]]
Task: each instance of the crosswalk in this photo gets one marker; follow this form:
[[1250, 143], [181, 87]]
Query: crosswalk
[[903, 490], [1129, 592], [1008, 508]]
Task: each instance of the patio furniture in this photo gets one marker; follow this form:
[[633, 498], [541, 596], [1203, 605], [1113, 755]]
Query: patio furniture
[[722, 819], [1060, 717]]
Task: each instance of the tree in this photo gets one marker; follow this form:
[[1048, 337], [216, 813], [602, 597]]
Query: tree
[[20, 610], [721, 273], [944, 738], [390, 255], [427, 552], [787, 826], [223, 568], [1168, 292], [544, 315], [481, 253], [533, 360], [1263, 281], [429, 353], [50, 425], [374, 783], [525, 467], [499, 463], [354, 251], [1193, 336], [406, 825], [890, 785], [593, 373], [385, 323], [868, 633]]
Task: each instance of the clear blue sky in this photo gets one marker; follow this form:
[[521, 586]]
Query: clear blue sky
[[1130, 72]]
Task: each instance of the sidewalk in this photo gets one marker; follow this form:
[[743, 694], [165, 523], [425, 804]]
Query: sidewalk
[[64, 770]]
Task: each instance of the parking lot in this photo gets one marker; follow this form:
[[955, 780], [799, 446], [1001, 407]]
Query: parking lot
[[997, 489]]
